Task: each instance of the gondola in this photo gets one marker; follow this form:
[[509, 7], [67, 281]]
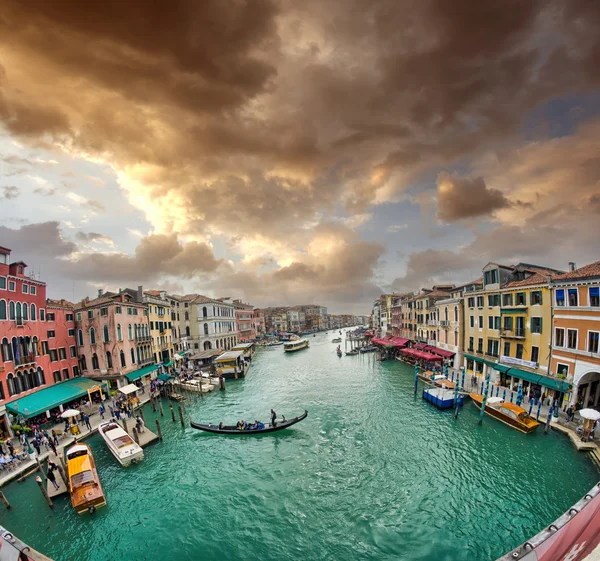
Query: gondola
[[229, 429]]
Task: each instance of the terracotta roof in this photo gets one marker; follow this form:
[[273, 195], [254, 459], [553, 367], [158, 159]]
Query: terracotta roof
[[59, 304], [106, 298], [587, 272], [152, 292]]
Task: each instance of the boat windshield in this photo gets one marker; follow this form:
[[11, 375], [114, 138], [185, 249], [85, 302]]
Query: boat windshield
[[81, 479], [124, 440], [509, 413]]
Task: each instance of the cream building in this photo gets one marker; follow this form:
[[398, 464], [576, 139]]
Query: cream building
[[159, 316]]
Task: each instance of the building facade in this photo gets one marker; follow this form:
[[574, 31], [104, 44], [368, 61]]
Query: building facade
[[206, 323], [244, 318], [113, 336], [62, 349], [25, 340], [576, 332], [159, 316]]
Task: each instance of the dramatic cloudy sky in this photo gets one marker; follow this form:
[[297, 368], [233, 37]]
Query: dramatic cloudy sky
[[292, 152]]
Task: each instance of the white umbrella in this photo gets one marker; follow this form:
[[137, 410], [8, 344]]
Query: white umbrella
[[69, 413], [590, 414]]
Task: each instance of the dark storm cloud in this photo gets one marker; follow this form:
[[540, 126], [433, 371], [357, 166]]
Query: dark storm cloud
[[461, 197], [9, 192]]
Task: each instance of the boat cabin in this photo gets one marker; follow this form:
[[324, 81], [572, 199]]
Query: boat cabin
[[247, 349], [231, 364]]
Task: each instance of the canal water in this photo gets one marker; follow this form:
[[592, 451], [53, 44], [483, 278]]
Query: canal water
[[372, 473]]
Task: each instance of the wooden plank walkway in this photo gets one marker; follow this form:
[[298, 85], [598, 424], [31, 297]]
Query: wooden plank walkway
[[581, 446], [145, 438]]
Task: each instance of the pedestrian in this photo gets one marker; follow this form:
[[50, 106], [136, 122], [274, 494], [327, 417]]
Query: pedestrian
[[117, 414], [11, 448], [36, 445], [23, 439], [50, 475], [53, 447], [102, 410], [86, 420], [140, 423], [54, 438]]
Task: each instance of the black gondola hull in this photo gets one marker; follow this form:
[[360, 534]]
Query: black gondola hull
[[228, 429]]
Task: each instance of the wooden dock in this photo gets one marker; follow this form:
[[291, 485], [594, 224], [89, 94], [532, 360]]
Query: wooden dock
[[62, 485], [145, 438], [577, 442]]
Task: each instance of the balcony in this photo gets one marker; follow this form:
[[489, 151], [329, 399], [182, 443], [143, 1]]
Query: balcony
[[143, 338], [444, 323], [513, 333], [145, 361], [431, 322]]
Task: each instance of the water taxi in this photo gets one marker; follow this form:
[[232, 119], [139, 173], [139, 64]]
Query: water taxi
[[297, 345], [120, 444], [84, 483], [508, 413], [231, 364]]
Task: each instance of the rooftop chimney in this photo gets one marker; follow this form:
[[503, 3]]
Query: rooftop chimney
[[99, 292], [140, 294], [571, 266]]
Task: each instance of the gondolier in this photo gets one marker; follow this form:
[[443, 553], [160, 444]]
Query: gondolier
[[273, 418], [256, 428]]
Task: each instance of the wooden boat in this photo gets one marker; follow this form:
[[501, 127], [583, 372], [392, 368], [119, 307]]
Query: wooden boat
[[231, 429], [443, 382], [337, 340], [352, 353], [297, 345], [120, 444], [368, 349], [508, 413], [84, 483]]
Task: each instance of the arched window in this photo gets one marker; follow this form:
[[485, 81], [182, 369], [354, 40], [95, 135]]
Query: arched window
[[129, 333], [2, 310], [25, 312], [18, 310], [92, 336], [187, 331], [23, 381], [41, 379], [455, 313], [204, 312], [33, 314], [6, 350], [12, 385], [80, 337], [56, 375], [105, 332], [108, 360], [119, 334], [11, 310], [83, 363], [31, 381], [132, 355], [122, 355], [187, 316], [95, 365], [206, 345], [206, 329]]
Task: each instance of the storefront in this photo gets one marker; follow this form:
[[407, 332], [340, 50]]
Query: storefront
[[142, 375]]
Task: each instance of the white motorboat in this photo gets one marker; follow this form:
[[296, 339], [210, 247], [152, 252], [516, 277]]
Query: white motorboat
[[121, 445]]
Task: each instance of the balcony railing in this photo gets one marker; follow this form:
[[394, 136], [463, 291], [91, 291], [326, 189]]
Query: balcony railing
[[431, 322], [143, 338], [513, 333], [145, 361], [444, 323]]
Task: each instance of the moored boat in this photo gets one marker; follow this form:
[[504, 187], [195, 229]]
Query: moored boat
[[508, 413], [336, 340], [297, 345], [368, 349], [84, 483], [120, 444], [442, 398], [353, 352]]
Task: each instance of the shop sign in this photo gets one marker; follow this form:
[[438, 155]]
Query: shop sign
[[518, 361]]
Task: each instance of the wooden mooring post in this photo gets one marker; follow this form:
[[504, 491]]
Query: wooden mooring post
[[160, 406], [42, 487], [39, 464], [172, 411], [181, 415], [158, 429], [4, 500]]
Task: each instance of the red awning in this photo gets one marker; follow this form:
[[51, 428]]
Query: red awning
[[421, 355], [419, 345], [380, 341], [399, 342], [441, 352]]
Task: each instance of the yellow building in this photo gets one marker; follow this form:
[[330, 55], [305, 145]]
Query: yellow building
[[159, 315], [508, 327]]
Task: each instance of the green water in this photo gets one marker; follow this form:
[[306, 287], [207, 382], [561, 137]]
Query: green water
[[372, 473]]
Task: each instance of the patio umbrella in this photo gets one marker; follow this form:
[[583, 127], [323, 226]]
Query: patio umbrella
[[590, 414], [69, 413]]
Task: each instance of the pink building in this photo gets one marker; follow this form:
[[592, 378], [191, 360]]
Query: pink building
[[60, 323], [113, 337], [244, 319], [258, 317]]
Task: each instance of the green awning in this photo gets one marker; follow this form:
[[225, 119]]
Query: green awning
[[513, 311], [170, 363], [165, 377], [141, 372], [474, 358], [547, 381], [49, 398], [181, 353], [498, 367]]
